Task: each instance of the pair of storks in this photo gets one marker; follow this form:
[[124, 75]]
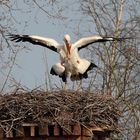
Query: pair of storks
[[70, 64]]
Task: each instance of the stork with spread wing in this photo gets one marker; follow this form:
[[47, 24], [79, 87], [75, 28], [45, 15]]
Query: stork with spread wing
[[70, 65]]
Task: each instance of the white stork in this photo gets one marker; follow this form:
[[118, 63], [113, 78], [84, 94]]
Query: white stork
[[70, 65]]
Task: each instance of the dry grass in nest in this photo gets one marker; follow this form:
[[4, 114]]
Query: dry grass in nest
[[61, 107]]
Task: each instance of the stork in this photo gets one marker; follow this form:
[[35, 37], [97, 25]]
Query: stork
[[71, 64]]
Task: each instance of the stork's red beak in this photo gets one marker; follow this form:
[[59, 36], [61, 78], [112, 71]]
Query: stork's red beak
[[68, 47]]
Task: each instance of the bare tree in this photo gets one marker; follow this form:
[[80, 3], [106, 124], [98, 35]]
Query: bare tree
[[9, 21], [119, 61], [7, 54], [119, 65]]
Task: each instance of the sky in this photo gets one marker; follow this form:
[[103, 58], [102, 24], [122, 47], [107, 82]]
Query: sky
[[33, 62]]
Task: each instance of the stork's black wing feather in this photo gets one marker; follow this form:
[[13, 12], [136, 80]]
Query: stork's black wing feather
[[36, 40], [84, 42]]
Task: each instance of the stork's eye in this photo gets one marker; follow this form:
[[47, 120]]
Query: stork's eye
[[66, 40]]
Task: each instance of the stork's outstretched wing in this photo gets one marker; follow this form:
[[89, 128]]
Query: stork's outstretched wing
[[37, 40], [84, 42]]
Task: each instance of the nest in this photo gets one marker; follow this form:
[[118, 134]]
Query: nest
[[61, 107]]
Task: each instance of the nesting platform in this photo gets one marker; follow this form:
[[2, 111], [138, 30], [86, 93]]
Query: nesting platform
[[57, 115], [54, 132]]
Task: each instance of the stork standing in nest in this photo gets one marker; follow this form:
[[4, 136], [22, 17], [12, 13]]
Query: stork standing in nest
[[70, 65]]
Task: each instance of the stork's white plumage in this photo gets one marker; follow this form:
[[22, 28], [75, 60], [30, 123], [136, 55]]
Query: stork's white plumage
[[70, 65]]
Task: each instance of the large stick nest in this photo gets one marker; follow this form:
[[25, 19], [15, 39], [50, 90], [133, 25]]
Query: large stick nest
[[59, 107]]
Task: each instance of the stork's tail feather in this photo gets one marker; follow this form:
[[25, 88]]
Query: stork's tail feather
[[53, 72], [91, 66], [64, 79], [84, 75], [79, 76]]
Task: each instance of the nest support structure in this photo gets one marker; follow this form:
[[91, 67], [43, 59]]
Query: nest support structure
[[58, 113]]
